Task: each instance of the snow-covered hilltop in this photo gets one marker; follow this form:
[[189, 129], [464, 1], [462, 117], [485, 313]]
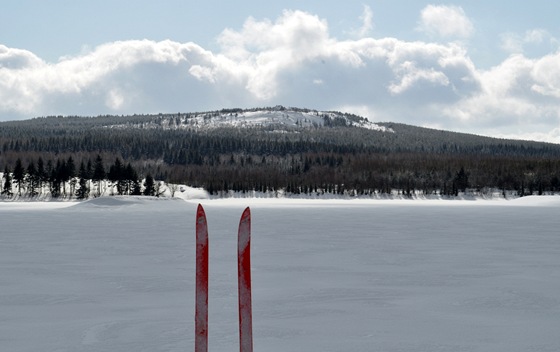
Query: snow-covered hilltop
[[277, 118]]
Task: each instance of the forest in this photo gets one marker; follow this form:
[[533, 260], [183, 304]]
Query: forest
[[90, 179], [335, 157]]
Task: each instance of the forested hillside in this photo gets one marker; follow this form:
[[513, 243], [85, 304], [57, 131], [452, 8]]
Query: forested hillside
[[272, 149]]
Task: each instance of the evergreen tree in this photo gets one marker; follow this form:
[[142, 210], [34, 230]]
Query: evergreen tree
[[461, 180], [136, 188], [41, 172], [116, 176], [70, 174], [89, 172], [89, 169], [19, 175], [83, 189], [7, 191], [98, 173], [149, 186], [55, 179], [49, 175], [32, 179], [132, 185]]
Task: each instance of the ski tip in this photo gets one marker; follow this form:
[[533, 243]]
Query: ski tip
[[245, 218], [246, 213], [199, 211]]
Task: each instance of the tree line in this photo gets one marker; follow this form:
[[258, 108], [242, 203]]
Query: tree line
[[62, 178], [370, 174], [337, 158]]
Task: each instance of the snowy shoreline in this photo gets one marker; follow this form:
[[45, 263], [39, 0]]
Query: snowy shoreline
[[182, 191], [264, 200]]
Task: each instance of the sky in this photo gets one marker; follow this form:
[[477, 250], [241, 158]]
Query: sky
[[484, 67]]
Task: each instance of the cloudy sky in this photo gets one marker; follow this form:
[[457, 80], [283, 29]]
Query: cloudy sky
[[485, 67]]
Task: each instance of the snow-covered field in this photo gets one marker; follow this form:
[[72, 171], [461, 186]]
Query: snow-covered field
[[117, 274]]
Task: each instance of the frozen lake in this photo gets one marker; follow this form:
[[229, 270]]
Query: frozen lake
[[117, 274]]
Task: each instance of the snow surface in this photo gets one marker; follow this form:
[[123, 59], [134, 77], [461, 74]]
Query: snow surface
[[117, 274], [287, 118]]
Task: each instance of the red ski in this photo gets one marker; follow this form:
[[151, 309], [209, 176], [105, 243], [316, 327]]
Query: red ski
[[201, 313], [244, 282]]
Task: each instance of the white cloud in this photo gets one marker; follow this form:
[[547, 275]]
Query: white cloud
[[115, 99], [292, 61], [261, 50], [546, 76], [521, 96], [535, 36], [15, 59], [514, 43], [445, 21], [410, 75], [367, 23], [112, 73]]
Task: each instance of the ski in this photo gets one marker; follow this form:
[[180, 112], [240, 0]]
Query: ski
[[201, 305], [244, 282]]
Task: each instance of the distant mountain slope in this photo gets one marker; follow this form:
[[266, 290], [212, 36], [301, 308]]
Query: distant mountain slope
[[294, 124], [422, 139], [291, 149]]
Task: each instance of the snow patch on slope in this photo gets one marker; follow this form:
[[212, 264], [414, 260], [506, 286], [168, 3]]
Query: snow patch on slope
[[278, 118]]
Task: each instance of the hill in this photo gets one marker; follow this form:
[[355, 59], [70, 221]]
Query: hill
[[289, 149]]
